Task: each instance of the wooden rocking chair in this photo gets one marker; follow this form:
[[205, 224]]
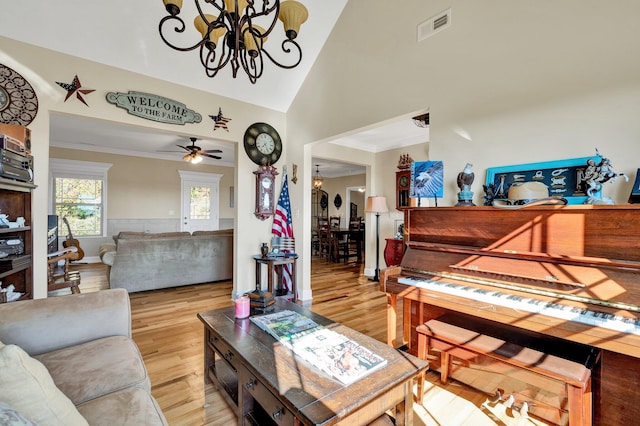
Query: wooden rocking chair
[[58, 273]]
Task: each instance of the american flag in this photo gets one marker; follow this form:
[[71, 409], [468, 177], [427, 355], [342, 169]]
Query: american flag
[[282, 225]]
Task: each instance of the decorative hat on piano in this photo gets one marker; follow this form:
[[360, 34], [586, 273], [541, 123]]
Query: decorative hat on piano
[[526, 194]]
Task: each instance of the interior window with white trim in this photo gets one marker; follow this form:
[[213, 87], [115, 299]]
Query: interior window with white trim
[[79, 195]]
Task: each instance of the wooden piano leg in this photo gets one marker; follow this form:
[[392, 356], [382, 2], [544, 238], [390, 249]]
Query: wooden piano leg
[[392, 307], [445, 362], [423, 349], [579, 405], [406, 318]]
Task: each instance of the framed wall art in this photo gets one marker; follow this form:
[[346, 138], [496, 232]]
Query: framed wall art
[[427, 179], [564, 178]]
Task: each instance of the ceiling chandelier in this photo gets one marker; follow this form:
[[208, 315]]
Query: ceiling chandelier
[[317, 179], [193, 158], [236, 22]]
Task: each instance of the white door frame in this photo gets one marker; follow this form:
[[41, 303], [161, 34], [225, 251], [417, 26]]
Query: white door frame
[[189, 178]]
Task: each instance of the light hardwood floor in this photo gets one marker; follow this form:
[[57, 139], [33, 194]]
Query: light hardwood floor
[[170, 338]]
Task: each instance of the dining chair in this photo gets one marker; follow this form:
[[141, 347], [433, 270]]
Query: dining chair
[[334, 222]]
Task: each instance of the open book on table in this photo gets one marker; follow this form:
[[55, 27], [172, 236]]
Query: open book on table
[[331, 352]]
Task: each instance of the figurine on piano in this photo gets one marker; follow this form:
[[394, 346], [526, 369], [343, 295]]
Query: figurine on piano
[[597, 174], [464, 181]]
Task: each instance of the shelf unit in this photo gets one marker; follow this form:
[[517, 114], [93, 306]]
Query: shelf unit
[[15, 201]]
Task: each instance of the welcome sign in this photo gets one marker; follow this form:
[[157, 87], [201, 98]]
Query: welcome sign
[[154, 107]]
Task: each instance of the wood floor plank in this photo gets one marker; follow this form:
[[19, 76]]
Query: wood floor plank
[[170, 338]]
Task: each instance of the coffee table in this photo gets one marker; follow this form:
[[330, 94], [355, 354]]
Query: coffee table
[[265, 383]]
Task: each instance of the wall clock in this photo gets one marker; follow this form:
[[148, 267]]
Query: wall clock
[[265, 193], [262, 144], [18, 100]]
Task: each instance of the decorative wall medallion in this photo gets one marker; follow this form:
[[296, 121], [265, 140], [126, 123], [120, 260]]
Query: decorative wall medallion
[[324, 201], [337, 201], [75, 87], [220, 120], [154, 107], [18, 100]]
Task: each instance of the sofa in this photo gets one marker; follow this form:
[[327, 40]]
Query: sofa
[[70, 360], [139, 261]]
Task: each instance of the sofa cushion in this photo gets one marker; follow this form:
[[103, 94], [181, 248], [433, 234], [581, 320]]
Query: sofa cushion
[[128, 235], [26, 385], [89, 370], [9, 416], [132, 407], [216, 232]]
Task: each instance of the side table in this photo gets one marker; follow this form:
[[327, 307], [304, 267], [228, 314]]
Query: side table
[[275, 264], [393, 251]]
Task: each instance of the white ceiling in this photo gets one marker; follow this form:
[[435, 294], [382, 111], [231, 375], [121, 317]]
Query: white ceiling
[[124, 34]]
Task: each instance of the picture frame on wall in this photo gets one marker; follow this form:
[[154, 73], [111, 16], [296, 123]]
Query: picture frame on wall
[[564, 178], [427, 179]]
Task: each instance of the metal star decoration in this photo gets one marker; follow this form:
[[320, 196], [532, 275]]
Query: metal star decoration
[[220, 120], [75, 87]]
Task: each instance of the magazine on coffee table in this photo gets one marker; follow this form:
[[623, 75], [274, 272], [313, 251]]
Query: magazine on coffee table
[[285, 325], [325, 349]]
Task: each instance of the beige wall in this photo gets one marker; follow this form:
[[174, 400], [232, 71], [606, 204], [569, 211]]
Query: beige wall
[[42, 68], [335, 186], [507, 83], [145, 188]]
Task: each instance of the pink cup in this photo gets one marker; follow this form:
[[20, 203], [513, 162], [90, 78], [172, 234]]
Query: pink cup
[[242, 307]]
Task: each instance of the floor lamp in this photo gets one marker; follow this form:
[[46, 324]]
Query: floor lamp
[[377, 205]]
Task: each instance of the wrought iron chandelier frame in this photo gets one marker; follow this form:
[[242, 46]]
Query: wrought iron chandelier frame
[[233, 48]]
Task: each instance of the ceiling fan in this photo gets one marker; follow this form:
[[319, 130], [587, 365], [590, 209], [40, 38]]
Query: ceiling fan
[[195, 153]]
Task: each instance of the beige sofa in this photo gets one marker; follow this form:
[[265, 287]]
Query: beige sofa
[[70, 360], [146, 261]]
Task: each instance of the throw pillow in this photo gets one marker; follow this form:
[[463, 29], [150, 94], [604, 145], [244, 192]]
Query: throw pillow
[[9, 416], [26, 385]]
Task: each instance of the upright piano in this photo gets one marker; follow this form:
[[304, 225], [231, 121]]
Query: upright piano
[[569, 272]]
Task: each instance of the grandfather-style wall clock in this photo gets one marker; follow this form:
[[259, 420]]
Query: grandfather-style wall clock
[[265, 192]]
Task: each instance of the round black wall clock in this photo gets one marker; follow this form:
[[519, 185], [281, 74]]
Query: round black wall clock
[[18, 100], [262, 144]]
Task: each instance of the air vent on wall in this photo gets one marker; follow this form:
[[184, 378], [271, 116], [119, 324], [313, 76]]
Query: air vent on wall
[[435, 24]]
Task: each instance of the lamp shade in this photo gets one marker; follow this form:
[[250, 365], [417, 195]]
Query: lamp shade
[[253, 40], [376, 205], [292, 14], [203, 27], [230, 5], [173, 6]]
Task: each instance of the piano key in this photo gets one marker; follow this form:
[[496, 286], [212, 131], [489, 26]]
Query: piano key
[[527, 304]]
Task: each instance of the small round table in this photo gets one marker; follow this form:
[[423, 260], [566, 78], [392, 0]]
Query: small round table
[[274, 267]]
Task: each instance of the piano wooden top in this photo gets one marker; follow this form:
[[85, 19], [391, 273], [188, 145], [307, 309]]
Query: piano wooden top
[[582, 256]]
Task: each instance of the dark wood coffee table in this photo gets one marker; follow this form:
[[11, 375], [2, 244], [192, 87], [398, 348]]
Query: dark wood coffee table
[[266, 383]]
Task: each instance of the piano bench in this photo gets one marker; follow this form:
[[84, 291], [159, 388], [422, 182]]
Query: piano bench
[[554, 388]]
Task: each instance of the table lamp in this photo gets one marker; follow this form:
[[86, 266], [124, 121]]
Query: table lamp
[[377, 205]]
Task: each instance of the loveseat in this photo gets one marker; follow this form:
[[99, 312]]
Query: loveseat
[[70, 360], [139, 261]]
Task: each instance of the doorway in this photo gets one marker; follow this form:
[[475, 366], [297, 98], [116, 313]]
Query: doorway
[[200, 201]]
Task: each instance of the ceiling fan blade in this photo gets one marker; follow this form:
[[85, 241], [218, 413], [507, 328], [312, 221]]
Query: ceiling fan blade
[[210, 155], [212, 150], [185, 148]]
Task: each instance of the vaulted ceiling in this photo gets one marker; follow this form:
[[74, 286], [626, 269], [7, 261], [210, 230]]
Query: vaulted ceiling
[[124, 34]]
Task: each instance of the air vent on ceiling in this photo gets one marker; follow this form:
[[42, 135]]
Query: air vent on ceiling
[[435, 24]]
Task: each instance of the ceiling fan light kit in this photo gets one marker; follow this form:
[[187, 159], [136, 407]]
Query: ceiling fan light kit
[[195, 154], [232, 34]]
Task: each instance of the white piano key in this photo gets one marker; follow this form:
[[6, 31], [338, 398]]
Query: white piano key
[[527, 304]]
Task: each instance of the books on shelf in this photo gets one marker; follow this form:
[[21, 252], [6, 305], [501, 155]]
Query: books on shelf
[[331, 352]]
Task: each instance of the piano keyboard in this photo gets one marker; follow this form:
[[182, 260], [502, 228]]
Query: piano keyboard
[[555, 310]]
